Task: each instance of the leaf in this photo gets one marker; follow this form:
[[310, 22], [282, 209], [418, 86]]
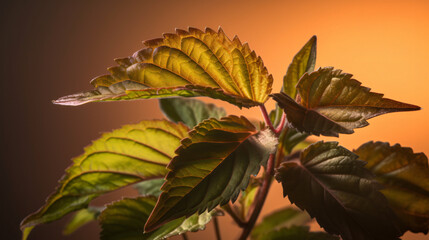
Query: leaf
[[81, 218], [150, 187], [122, 157], [211, 167], [283, 218], [332, 102], [189, 111], [125, 219], [295, 233], [187, 63], [303, 62], [405, 177], [332, 185]]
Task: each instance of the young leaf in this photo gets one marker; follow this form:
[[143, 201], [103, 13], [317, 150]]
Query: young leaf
[[126, 218], [189, 111], [331, 102], [211, 167], [150, 187], [295, 233], [122, 157], [81, 218], [303, 62], [332, 185], [283, 218], [188, 63], [405, 177]]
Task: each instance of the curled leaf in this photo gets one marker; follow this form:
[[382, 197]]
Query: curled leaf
[[331, 102]]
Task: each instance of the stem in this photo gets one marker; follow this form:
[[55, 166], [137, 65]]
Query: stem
[[260, 198], [184, 236], [234, 216], [279, 128], [216, 226], [266, 117]]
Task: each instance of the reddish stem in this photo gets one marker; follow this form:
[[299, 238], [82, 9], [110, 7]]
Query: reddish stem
[[266, 117], [260, 198], [279, 128]]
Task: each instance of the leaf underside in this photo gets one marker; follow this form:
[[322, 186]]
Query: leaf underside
[[332, 185], [189, 111], [188, 63], [211, 167], [125, 219], [405, 177], [119, 158], [331, 102]]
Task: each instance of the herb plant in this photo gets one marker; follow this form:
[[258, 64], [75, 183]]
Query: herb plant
[[201, 163]]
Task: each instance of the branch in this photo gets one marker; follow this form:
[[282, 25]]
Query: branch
[[216, 226], [234, 216], [260, 198]]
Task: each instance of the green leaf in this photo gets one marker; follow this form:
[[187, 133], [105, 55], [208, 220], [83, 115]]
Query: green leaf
[[187, 63], [283, 218], [150, 187], [332, 185], [296, 233], [81, 218], [303, 62], [189, 111], [212, 166], [331, 102], [122, 157], [405, 177], [125, 219]]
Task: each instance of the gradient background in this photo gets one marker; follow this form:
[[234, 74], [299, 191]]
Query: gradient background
[[51, 49]]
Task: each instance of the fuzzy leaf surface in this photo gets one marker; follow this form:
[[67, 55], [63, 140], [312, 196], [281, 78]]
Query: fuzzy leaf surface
[[189, 111], [303, 62], [405, 177], [186, 63], [283, 218], [212, 166], [332, 185], [125, 219], [331, 102], [119, 158]]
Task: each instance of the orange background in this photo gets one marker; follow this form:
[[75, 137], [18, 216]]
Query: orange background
[[54, 48]]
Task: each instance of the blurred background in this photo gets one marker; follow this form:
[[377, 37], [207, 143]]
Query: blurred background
[[53, 48]]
